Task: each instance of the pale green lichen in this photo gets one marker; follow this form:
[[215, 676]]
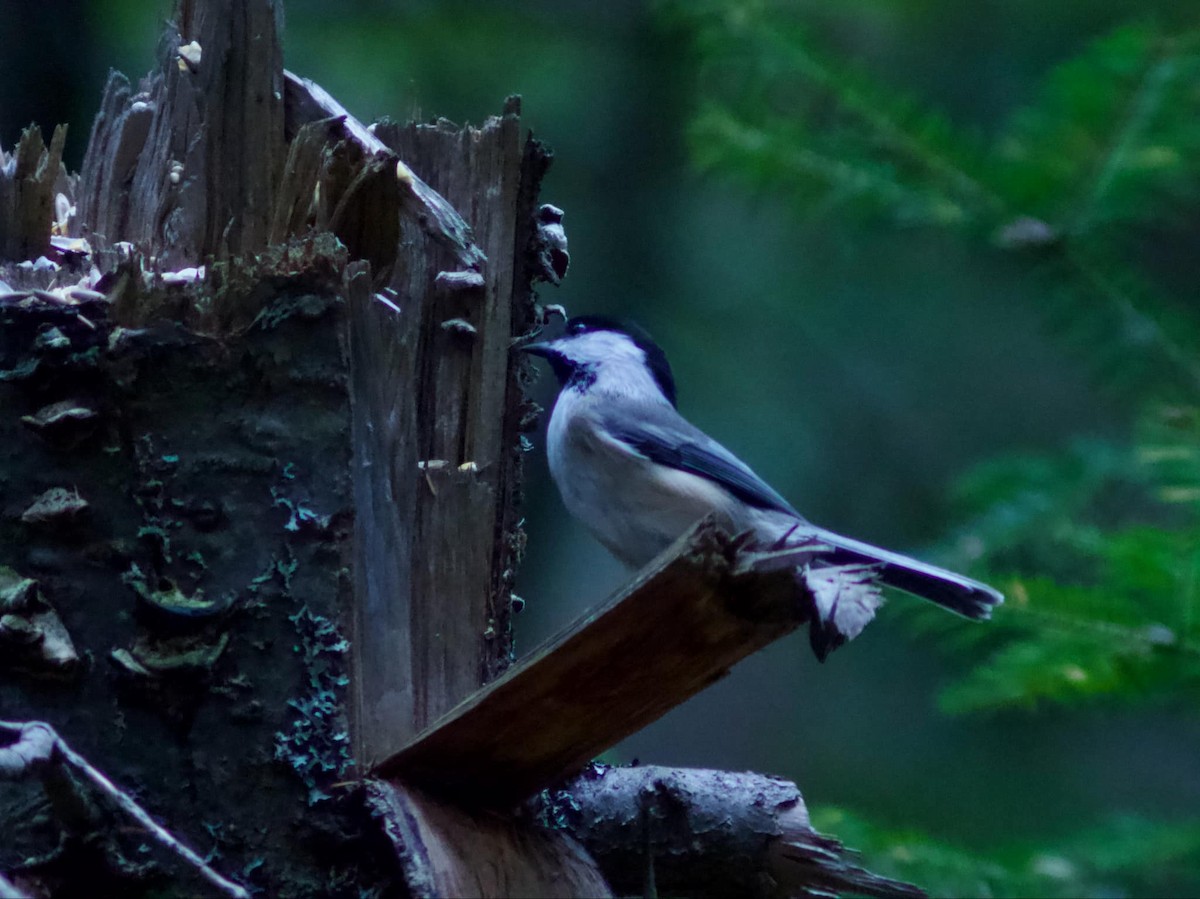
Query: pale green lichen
[[317, 746]]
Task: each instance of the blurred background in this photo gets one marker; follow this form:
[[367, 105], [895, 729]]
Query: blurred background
[[930, 268]]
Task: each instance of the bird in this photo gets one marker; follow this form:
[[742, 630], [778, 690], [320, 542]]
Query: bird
[[638, 475]]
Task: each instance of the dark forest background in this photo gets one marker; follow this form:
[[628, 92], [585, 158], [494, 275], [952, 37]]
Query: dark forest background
[[930, 268]]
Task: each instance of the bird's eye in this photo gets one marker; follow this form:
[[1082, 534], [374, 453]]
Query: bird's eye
[[577, 328]]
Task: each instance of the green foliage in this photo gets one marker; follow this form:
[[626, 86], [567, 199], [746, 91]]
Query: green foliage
[[1170, 447], [1111, 140], [1107, 155], [777, 113], [1125, 855], [1101, 578], [1097, 545]]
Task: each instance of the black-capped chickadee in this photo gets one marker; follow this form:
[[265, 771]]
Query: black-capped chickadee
[[638, 475]]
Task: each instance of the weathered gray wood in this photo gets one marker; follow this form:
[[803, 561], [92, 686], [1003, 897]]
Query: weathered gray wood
[[332, 183], [446, 852], [437, 419], [189, 165], [308, 102], [708, 834], [29, 179], [680, 626]]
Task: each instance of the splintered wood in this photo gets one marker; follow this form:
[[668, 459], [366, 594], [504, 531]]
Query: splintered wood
[[447, 851], [30, 178]]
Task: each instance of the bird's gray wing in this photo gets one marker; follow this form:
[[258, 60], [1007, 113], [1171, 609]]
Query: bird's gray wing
[[663, 436]]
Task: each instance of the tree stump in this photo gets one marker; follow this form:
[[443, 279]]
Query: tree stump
[[260, 474], [238, 463]]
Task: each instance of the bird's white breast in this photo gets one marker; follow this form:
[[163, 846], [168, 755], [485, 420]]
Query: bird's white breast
[[635, 507]]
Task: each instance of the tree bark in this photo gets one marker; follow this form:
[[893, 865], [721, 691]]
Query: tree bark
[[707, 834], [202, 583], [222, 487]]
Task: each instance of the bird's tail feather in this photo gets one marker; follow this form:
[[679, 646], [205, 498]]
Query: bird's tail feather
[[963, 595]]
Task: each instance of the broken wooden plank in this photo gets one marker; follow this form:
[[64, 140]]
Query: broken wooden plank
[[677, 628]]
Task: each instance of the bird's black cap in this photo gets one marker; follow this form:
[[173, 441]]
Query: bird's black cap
[[656, 359]]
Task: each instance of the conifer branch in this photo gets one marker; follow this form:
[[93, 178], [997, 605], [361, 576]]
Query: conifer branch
[[1143, 103]]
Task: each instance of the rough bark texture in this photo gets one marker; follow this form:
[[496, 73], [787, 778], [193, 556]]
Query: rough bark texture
[[209, 478], [39, 752], [202, 582], [707, 834]]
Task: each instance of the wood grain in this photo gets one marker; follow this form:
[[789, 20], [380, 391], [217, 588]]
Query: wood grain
[[436, 435], [189, 165], [29, 178], [449, 852]]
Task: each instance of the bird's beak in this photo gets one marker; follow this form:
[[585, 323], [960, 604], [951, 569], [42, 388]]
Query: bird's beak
[[545, 350]]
